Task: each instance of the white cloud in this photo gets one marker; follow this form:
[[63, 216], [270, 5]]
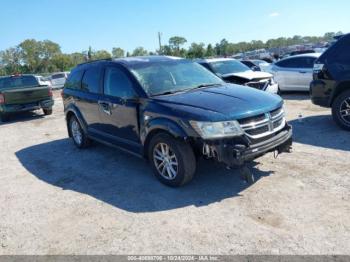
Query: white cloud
[[274, 14]]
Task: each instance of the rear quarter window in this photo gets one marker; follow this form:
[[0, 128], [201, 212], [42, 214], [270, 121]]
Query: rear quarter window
[[337, 53], [91, 79], [74, 80]]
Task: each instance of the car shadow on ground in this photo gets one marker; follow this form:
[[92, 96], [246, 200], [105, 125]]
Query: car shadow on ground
[[320, 131], [125, 181], [24, 117]]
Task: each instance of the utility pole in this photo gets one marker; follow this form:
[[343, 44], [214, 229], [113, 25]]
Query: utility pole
[[160, 42]]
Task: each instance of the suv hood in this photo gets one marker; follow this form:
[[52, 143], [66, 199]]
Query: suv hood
[[226, 102], [250, 75]]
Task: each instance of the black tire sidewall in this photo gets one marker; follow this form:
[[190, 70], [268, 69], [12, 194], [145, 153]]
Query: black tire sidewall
[[4, 117], [47, 111], [174, 144], [336, 110]]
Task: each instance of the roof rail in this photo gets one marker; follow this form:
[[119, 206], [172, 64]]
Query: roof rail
[[93, 61]]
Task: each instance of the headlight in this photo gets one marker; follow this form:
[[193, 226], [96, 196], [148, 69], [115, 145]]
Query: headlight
[[211, 130]]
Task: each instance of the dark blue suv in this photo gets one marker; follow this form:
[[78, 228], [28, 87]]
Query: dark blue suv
[[172, 111]]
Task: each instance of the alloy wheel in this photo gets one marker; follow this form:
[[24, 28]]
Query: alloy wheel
[[345, 110], [76, 131], [165, 161]]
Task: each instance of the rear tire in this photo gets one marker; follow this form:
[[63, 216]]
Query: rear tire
[[78, 135], [341, 110], [47, 111], [176, 164], [4, 117]]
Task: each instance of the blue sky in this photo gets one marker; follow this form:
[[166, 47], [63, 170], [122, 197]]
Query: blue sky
[[103, 24]]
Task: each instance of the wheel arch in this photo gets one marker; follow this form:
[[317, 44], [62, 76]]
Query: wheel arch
[[73, 111], [157, 126], [341, 87]]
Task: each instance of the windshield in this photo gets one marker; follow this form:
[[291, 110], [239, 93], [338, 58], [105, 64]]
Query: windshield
[[229, 67], [173, 76], [18, 81]]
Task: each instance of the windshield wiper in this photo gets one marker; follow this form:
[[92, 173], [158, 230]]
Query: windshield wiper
[[185, 90], [204, 85], [207, 85], [167, 93]]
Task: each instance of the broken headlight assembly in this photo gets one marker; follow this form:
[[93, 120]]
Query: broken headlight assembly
[[213, 130]]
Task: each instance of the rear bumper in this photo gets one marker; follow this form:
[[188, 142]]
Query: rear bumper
[[320, 95], [238, 154], [46, 104]]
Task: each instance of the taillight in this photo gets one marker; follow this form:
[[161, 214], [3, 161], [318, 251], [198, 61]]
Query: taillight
[[50, 92], [2, 99], [62, 93]]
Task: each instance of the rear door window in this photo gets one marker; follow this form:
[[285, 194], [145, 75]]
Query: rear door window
[[91, 80]]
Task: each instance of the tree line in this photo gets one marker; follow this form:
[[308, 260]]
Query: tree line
[[32, 56]]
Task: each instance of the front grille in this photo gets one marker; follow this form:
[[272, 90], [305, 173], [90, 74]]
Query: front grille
[[264, 124], [249, 120], [257, 131], [276, 112], [277, 123]]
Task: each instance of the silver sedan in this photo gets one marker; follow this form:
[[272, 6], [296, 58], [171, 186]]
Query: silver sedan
[[294, 73]]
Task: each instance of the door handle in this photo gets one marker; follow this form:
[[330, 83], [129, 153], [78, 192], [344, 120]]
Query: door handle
[[105, 106], [302, 72]]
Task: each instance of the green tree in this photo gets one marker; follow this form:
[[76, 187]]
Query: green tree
[[139, 51], [62, 62], [196, 50], [166, 50], [10, 61], [30, 53], [222, 48], [118, 52], [101, 54], [77, 58], [175, 44], [210, 52]]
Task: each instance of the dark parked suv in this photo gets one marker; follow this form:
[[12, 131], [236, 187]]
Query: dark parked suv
[[172, 111], [331, 81]]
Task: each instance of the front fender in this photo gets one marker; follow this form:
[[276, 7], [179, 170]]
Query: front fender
[[164, 124], [341, 87]]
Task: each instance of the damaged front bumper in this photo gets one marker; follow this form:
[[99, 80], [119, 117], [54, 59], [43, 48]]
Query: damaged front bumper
[[235, 152]]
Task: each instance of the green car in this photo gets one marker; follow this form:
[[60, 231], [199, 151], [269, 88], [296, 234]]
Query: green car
[[21, 93]]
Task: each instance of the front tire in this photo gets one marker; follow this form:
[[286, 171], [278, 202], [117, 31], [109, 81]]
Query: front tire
[[4, 117], [78, 135], [172, 160], [341, 110]]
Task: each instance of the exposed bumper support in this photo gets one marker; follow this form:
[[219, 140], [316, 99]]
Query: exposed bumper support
[[237, 154]]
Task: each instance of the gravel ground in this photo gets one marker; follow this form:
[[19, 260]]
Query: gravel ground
[[56, 199]]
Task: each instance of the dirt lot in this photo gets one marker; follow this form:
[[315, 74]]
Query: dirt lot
[[56, 199]]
